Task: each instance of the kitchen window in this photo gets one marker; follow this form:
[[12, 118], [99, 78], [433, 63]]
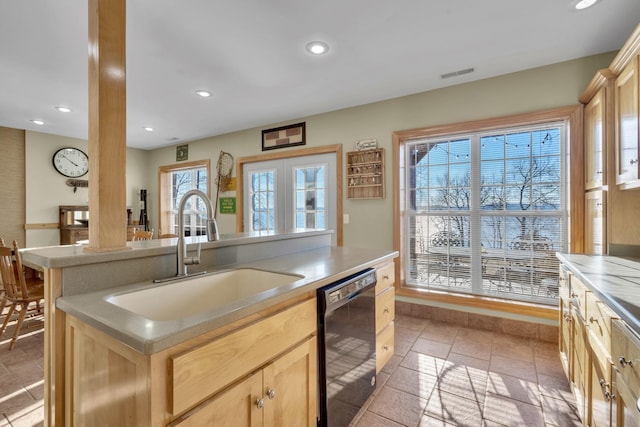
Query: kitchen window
[[482, 212], [175, 181]]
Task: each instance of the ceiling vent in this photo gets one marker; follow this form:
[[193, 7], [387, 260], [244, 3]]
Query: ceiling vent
[[457, 73]]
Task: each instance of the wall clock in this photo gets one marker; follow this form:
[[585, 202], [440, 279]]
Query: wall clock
[[71, 162]]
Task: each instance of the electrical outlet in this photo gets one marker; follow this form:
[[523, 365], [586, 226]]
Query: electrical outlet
[[345, 219]]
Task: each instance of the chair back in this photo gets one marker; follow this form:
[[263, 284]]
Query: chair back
[[142, 235], [8, 277]]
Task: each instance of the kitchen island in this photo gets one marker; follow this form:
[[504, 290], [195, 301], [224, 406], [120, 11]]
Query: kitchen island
[[116, 365]]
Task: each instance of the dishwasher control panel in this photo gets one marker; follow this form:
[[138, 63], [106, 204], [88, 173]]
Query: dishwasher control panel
[[350, 286]]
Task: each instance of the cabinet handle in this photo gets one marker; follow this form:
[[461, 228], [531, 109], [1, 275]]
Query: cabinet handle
[[386, 310], [260, 403], [624, 362], [574, 295], [271, 393], [593, 319], [385, 348], [599, 172], [608, 396], [385, 277], [633, 161], [567, 317]]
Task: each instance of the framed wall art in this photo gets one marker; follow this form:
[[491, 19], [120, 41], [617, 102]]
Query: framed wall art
[[285, 136]]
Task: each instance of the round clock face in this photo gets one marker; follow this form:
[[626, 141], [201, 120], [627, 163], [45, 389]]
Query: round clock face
[[71, 162]]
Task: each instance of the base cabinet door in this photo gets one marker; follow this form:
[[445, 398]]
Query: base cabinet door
[[290, 384], [238, 406], [602, 396], [281, 394], [578, 365]]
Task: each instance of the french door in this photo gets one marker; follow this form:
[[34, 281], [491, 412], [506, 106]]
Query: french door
[[291, 193]]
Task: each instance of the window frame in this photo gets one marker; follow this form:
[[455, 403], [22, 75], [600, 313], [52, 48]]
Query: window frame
[[164, 190], [572, 116], [335, 149]]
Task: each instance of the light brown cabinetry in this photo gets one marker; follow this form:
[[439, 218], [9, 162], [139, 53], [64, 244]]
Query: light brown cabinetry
[[565, 339], [279, 394], [586, 342], [626, 356], [595, 222], [260, 373], [626, 113], [385, 314], [594, 133], [365, 174], [598, 138]]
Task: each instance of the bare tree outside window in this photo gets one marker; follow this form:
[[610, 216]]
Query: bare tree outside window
[[512, 191]]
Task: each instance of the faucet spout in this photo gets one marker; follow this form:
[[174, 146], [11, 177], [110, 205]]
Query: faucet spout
[[211, 228]]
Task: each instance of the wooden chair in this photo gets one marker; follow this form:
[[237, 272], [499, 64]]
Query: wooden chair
[[142, 235], [3, 294], [18, 294]]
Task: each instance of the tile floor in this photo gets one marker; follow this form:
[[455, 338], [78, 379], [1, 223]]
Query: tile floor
[[21, 375], [441, 375], [447, 375]]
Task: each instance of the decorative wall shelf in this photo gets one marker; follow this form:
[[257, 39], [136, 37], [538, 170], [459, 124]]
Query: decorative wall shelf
[[365, 174]]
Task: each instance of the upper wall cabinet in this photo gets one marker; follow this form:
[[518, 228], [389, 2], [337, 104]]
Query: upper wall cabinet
[[627, 138], [594, 123]]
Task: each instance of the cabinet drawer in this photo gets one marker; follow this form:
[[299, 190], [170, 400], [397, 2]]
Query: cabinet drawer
[[385, 277], [384, 347], [625, 354], [579, 295], [385, 308], [198, 373], [599, 323]]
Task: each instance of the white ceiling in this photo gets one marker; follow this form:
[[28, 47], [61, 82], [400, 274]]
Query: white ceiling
[[250, 54]]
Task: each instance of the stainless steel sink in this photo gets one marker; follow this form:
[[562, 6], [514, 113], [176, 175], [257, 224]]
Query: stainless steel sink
[[185, 298]]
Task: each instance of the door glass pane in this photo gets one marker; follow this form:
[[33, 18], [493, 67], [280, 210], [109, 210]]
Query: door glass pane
[[263, 200], [310, 197]]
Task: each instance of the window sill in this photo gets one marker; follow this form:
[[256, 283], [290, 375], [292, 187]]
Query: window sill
[[480, 302]]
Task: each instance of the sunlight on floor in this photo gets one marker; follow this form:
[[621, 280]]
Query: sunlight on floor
[[21, 374]]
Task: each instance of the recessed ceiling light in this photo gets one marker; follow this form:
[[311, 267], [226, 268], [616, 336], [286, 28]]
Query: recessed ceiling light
[[583, 4], [204, 93], [317, 48], [37, 122], [148, 128], [62, 109]]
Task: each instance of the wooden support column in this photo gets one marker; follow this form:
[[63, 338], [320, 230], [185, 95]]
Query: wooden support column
[[107, 126]]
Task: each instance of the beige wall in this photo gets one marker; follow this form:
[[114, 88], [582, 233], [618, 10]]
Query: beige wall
[[46, 189], [370, 220]]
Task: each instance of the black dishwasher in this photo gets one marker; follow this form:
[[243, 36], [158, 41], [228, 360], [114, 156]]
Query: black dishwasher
[[346, 347]]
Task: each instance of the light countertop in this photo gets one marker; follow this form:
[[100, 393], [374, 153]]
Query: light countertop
[[319, 267], [615, 280]]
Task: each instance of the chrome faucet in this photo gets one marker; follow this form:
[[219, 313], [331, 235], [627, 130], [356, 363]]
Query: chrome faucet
[[212, 231]]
